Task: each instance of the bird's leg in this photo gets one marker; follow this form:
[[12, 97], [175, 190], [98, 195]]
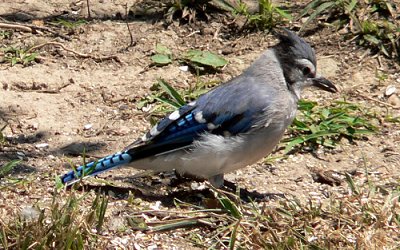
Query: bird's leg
[[181, 179], [245, 195], [230, 185], [217, 180]]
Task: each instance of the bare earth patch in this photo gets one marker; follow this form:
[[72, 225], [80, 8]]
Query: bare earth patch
[[66, 103]]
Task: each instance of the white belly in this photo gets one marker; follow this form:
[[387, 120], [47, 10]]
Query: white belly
[[214, 154]]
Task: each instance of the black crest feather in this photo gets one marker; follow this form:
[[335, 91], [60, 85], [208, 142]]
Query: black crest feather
[[291, 46]]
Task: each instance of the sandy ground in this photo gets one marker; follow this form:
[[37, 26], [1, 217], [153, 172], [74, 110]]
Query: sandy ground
[[47, 104]]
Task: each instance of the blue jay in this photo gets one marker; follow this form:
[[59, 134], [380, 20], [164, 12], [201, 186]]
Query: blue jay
[[231, 126]]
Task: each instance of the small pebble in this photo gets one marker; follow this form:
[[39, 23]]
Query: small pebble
[[394, 100], [312, 238], [30, 213], [156, 206], [390, 90], [123, 107], [42, 145], [20, 154], [198, 186], [147, 108], [88, 126], [152, 247], [137, 246], [184, 68]]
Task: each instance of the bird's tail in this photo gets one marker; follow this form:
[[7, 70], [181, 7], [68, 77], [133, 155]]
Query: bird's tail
[[96, 167]]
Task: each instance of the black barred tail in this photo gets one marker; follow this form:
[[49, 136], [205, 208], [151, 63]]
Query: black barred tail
[[96, 167]]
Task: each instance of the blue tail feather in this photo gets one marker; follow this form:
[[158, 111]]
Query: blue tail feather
[[96, 167]]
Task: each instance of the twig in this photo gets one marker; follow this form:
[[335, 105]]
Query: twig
[[380, 62], [193, 33], [176, 219], [375, 100], [32, 29], [35, 27], [216, 33], [15, 27], [175, 224], [88, 9], [57, 44], [55, 91], [47, 91], [178, 213], [133, 43]]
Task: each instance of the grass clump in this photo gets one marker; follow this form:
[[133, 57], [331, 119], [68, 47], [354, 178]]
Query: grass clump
[[185, 9], [5, 34], [68, 24], [325, 126], [372, 23], [189, 10], [8, 167], [65, 224], [164, 98], [266, 17], [22, 56]]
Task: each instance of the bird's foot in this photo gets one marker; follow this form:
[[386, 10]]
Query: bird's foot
[[247, 195]]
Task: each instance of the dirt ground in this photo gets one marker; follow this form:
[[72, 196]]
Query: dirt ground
[[57, 107]]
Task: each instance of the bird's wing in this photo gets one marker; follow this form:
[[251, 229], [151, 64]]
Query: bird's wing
[[180, 128]]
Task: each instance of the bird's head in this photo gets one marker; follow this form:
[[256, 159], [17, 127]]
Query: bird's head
[[299, 64]]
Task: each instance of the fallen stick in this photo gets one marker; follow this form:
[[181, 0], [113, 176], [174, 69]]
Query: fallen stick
[[375, 100], [31, 28], [57, 44], [15, 27]]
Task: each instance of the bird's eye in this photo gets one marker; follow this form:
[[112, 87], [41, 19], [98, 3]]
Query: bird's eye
[[306, 71]]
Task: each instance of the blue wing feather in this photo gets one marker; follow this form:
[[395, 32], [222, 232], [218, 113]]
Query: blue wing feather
[[226, 109], [166, 122]]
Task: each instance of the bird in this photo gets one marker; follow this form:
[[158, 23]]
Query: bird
[[231, 126]]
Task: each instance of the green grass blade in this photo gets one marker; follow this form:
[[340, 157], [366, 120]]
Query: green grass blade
[[319, 10], [171, 92], [351, 183], [101, 213], [230, 207], [284, 14], [59, 184], [350, 7], [224, 5], [8, 167], [168, 102], [309, 7], [233, 237], [175, 225], [293, 142]]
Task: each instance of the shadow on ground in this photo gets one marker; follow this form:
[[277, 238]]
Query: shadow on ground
[[168, 194]]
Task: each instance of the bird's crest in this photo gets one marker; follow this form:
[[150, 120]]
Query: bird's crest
[[291, 46]]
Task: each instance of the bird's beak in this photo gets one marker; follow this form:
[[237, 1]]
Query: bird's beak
[[324, 84]]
